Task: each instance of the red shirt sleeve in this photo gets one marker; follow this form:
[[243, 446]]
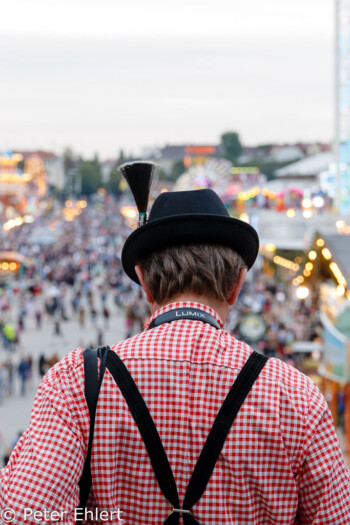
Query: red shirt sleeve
[[46, 465], [323, 481]]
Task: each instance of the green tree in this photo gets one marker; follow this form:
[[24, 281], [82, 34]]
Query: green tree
[[20, 165], [113, 183], [71, 163], [122, 158], [177, 169], [90, 176], [231, 144]]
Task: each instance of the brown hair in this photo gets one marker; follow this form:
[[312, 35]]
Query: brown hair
[[203, 269]]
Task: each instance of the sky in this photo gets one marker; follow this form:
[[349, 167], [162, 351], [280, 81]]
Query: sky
[[103, 75]]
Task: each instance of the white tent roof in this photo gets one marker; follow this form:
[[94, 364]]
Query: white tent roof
[[312, 165]]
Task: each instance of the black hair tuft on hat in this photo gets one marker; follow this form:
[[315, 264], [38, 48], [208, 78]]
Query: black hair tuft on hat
[[139, 175]]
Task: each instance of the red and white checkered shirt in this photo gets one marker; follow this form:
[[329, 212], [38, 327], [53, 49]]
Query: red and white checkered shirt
[[281, 462]]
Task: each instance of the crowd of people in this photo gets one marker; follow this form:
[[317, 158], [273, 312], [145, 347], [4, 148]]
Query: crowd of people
[[284, 320], [78, 275]]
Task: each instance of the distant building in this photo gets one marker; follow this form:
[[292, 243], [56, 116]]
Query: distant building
[[53, 166], [282, 152], [285, 153], [20, 190], [189, 154], [307, 169]]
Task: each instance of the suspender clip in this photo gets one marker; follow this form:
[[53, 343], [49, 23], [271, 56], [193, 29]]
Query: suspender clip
[[181, 511]]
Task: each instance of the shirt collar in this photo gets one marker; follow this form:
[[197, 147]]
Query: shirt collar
[[186, 304]]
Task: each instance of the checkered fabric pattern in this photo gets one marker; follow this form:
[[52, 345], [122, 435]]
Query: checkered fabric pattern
[[281, 462]]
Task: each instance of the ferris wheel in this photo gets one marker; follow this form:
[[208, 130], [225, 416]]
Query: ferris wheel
[[214, 174]]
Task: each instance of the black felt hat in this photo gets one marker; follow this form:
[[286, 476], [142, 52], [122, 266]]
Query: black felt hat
[[184, 217]]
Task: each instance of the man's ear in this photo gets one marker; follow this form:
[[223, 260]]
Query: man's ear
[[237, 286], [140, 274]]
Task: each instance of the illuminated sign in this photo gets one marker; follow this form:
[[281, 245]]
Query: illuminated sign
[[200, 150], [8, 266], [239, 170]]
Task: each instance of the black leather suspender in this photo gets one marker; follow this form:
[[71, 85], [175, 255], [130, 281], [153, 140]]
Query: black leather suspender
[[93, 381], [213, 445]]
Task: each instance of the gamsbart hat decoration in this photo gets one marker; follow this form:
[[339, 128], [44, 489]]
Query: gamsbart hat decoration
[[182, 217], [139, 175]]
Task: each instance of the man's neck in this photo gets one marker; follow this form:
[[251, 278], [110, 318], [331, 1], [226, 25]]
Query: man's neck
[[220, 307]]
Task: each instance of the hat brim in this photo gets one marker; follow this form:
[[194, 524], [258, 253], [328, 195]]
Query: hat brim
[[189, 229]]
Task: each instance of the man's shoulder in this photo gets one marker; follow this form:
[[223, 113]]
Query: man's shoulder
[[276, 374], [71, 364], [292, 382], [278, 370]]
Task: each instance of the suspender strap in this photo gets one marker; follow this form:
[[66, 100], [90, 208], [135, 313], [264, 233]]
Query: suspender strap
[[222, 424], [146, 426], [212, 447], [93, 382]]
